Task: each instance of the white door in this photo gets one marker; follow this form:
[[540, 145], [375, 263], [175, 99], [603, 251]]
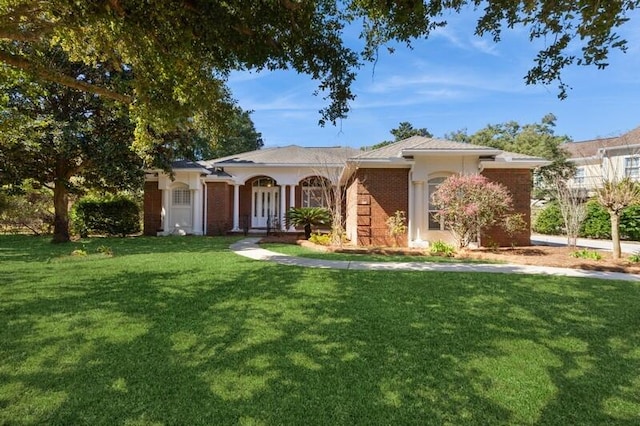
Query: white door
[[265, 206]]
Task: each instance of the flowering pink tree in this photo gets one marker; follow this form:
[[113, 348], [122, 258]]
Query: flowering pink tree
[[468, 203]]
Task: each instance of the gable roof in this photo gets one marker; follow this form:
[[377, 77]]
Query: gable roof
[[490, 157], [595, 147], [421, 143], [292, 155]]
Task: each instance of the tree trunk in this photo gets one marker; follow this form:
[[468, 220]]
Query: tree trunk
[[307, 231], [615, 234], [61, 208]]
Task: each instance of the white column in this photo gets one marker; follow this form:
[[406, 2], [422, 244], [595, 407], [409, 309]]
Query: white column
[[236, 207], [283, 206], [292, 202], [165, 212], [418, 212], [196, 195], [410, 210]]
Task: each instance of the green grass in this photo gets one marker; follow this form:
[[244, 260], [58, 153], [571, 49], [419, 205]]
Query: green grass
[[299, 251], [182, 331]]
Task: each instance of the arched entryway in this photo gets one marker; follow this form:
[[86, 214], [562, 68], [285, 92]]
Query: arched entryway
[[265, 203]]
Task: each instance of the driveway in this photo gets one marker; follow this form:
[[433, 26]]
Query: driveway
[[553, 240]]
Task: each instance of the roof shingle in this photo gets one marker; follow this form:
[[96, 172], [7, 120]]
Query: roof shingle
[[288, 155], [590, 148]]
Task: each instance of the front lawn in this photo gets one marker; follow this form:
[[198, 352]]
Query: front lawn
[[182, 331]]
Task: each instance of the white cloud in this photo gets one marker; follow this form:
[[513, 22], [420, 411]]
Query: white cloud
[[485, 46]]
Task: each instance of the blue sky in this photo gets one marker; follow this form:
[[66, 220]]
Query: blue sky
[[451, 81]]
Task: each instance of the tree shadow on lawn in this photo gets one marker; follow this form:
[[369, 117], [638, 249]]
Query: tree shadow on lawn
[[30, 248], [255, 342]]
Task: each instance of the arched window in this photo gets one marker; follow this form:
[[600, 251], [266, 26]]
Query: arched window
[[181, 197], [264, 182], [432, 187], [315, 192]]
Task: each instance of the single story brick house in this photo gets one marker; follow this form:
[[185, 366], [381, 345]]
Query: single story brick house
[[253, 190]]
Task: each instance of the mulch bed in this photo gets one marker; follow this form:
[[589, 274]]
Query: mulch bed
[[531, 255]]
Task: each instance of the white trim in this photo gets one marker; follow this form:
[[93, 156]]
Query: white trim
[[515, 164]]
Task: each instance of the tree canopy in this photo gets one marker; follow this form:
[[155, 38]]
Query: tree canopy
[[192, 144], [181, 52], [535, 139], [403, 131], [63, 138]]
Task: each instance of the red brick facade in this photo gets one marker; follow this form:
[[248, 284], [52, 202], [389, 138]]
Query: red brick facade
[[380, 193], [519, 183], [152, 222], [374, 195], [219, 208]]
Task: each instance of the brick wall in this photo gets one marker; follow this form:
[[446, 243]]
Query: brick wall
[[380, 193], [519, 184], [152, 221], [245, 201], [219, 208]]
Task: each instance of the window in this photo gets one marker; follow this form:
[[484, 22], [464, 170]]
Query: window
[[314, 192], [632, 167], [578, 178], [432, 186], [181, 197], [264, 182]]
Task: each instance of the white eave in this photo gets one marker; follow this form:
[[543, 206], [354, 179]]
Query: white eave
[[271, 165], [514, 163], [393, 162], [449, 152]]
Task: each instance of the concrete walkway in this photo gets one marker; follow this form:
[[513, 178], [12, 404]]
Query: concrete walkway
[[249, 247]]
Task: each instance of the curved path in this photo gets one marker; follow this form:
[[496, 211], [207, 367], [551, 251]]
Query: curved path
[[249, 247]]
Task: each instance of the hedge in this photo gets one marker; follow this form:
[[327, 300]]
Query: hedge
[[113, 215], [597, 223], [549, 220]]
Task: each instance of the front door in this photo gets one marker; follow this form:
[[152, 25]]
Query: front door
[[266, 208]]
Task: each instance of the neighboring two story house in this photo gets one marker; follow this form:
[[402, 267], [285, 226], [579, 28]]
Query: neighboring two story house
[[253, 190], [605, 159]]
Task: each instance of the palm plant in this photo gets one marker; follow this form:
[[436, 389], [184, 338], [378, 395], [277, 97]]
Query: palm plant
[[307, 217]]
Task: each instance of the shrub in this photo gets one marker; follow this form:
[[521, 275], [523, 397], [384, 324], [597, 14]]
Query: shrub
[[397, 225], [27, 208], [114, 215], [549, 220], [106, 250], [635, 257], [320, 239], [308, 217], [468, 203], [597, 223], [586, 254], [440, 248], [630, 223]]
